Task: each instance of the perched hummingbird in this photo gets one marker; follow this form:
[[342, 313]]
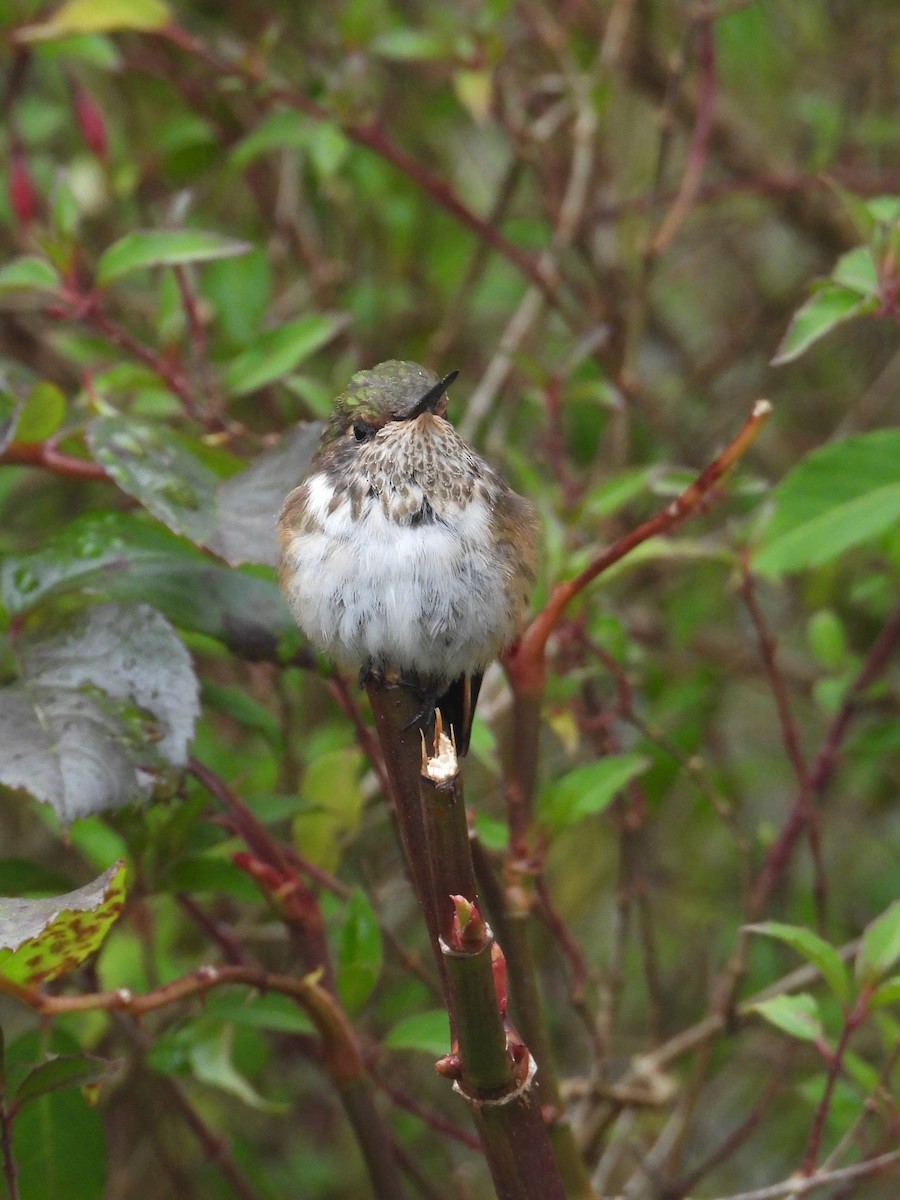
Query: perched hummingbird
[[402, 552]]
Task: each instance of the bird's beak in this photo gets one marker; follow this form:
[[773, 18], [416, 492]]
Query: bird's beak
[[430, 400]]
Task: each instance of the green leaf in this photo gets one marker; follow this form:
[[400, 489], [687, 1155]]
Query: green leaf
[[42, 414], [258, 1011], [615, 491], [840, 496], [248, 503], [41, 939], [98, 16], [210, 1061], [103, 713], [64, 1071], [152, 464], [161, 247], [427, 1031], [405, 44], [797, 1015], [283, 129], [333, 801], [826, 638], [858, 271], [125, 556], [239, 290], [880, 947], [359, 954], [886, 993], [279, 351], [829, 307], [587, 790], [816, 950], [58, 1148], [28, 274]]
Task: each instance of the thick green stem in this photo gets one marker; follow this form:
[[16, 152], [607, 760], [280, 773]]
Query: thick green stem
[[496, 1072]]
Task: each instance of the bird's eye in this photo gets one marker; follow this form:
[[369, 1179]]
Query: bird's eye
[[363, 432]]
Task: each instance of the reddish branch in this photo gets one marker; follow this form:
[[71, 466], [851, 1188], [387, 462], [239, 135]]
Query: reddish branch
[[824, 765], [789, 733], [46, 455], [699, 147], [525, 664]]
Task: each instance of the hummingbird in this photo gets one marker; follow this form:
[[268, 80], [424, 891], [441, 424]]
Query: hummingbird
[[402, 552]]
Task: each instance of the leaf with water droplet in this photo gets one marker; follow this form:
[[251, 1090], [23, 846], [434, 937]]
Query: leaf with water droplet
[[248, 504], [103, 712], [152, 464], [129, 557]]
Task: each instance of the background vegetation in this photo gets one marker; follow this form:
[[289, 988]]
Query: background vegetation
[[606, 216]]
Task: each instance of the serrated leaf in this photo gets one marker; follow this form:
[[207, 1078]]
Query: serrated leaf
[[160, 247], [829, 307], [359, 956], [152, 464], [210, 1061], [64, 1071], [880, 948], [587, 790], [248, 504], [123, 556], [797, 1015], [28, 274], [41, 939], [814, 949], [103, 711], [279, 351], [427, 1031], [844, 494]]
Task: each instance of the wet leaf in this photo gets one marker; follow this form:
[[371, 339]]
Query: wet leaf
[[123, 556], [103, 711], [41, 939], [152, 464], [248, 504]]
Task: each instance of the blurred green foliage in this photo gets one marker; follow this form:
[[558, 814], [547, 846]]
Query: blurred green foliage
[[623, 223]]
